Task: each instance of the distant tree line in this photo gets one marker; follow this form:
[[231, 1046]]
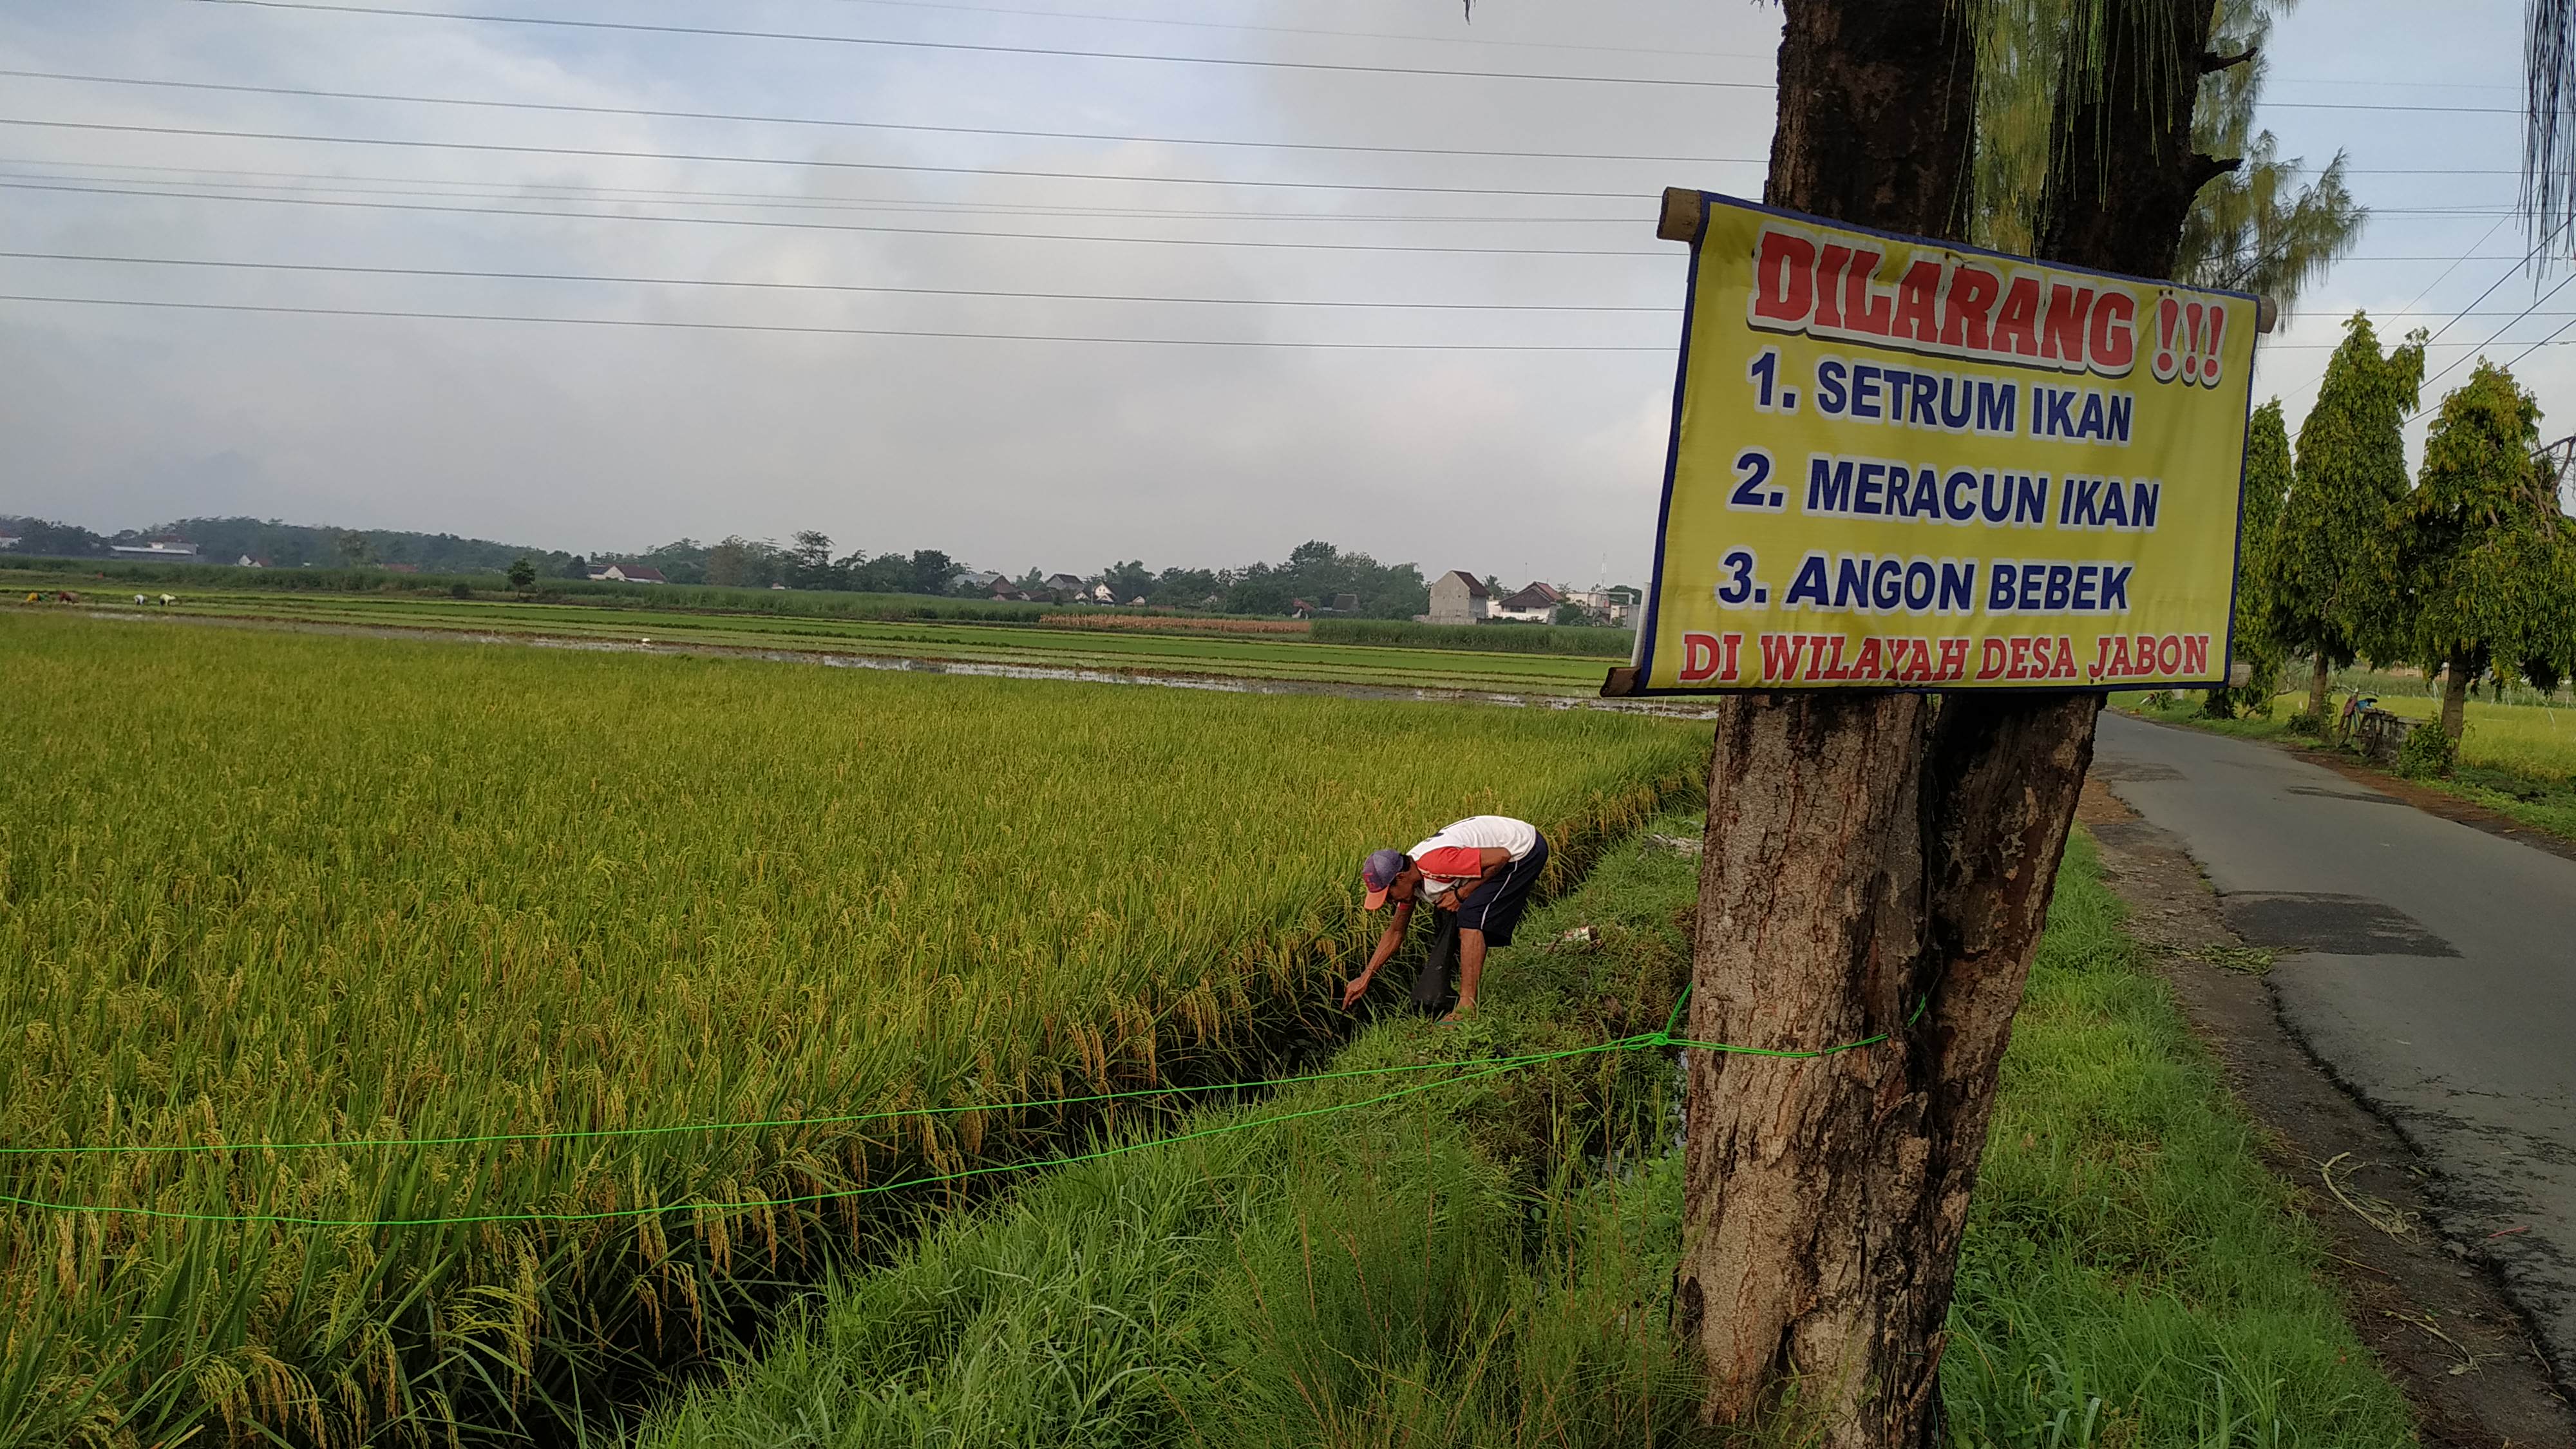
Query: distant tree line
[[290, 545], [2468, 572], [1316, 572]]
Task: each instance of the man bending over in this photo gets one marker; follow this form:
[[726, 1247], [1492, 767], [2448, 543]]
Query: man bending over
[[1479, 871]]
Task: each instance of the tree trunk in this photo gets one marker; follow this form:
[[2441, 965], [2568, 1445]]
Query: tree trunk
[[2455, 695], [1811, 905], [2318, 684], [1862, 856]]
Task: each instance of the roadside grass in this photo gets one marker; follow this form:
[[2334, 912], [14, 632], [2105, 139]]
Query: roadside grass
[[1489, 1263], [2132, 1274], [2518, 759]]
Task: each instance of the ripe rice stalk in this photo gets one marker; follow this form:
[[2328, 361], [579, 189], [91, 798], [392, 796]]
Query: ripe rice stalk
[[261, 889]]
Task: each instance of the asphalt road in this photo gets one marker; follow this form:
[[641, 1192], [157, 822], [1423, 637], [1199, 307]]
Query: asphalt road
[[2429, 965]]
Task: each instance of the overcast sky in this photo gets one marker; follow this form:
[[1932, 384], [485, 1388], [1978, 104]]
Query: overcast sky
[[1062, 455]]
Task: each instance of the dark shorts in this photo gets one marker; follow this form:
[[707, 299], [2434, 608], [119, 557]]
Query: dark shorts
[[1497, 908]]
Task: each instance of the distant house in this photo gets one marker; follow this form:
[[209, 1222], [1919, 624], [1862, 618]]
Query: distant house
[[626, 574], [1103, 594], [8, 540], [247, 562], [1535, 604], [1006, 592], [1459, 597], [1301, 608], [976, 578], [1346, 603], [1065, 586], [173, 550], [1613, 605]]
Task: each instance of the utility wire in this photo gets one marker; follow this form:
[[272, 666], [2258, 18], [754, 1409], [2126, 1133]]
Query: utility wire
[[472, 273], [754, 118], [901, 230], [496, 190], [2453, 364], [2537, 248], [850, 226], [2535, 347], [986, 48], [516, 187], [831, 331], [506, 148], [1309, 30], [982, 48]]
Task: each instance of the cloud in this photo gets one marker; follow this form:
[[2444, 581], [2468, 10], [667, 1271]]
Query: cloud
[[1062, 455]]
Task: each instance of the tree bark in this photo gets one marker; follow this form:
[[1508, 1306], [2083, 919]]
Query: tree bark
[[2318, 683], [1865, 856], [1810, 921], [2455, 695]]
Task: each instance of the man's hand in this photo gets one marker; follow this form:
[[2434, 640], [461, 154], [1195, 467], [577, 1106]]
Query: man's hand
[[1356, 988]]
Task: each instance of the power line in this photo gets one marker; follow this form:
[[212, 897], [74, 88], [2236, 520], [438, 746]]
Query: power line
[[2299, 105], [1308, 30], [983, 48], [812, 37], [829, 331], [506, 148], [478, 274], [753, 118], [776, 223], [899, 230], [2526, 260], [2535, 347], [500, 190], [2499, 332]]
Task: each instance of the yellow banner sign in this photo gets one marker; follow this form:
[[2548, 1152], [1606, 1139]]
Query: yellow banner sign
[[1898, 463]]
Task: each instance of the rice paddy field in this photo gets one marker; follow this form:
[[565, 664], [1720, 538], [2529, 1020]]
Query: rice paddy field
[[1401, 656], [366, 1000]]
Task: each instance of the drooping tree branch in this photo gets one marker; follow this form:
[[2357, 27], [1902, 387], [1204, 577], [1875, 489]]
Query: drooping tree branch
[[2549, 131]]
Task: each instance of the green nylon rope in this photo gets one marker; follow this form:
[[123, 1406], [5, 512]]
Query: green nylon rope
[[136, 1149], [1489, 1067]]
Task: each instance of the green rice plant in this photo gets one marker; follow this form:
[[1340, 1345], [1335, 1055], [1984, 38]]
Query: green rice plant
[[281, 889]]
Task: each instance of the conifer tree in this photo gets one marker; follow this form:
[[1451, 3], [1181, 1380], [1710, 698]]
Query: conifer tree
[[2251, 641], [2333, 585], [2486, 562]]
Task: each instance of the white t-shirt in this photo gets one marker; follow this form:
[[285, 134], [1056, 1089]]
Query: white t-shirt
[[1454, 855]]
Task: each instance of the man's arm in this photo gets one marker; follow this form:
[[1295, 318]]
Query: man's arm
[[1493, 862], [1387, 942]]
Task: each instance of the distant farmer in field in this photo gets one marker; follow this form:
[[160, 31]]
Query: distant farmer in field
[[1477, 875]]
